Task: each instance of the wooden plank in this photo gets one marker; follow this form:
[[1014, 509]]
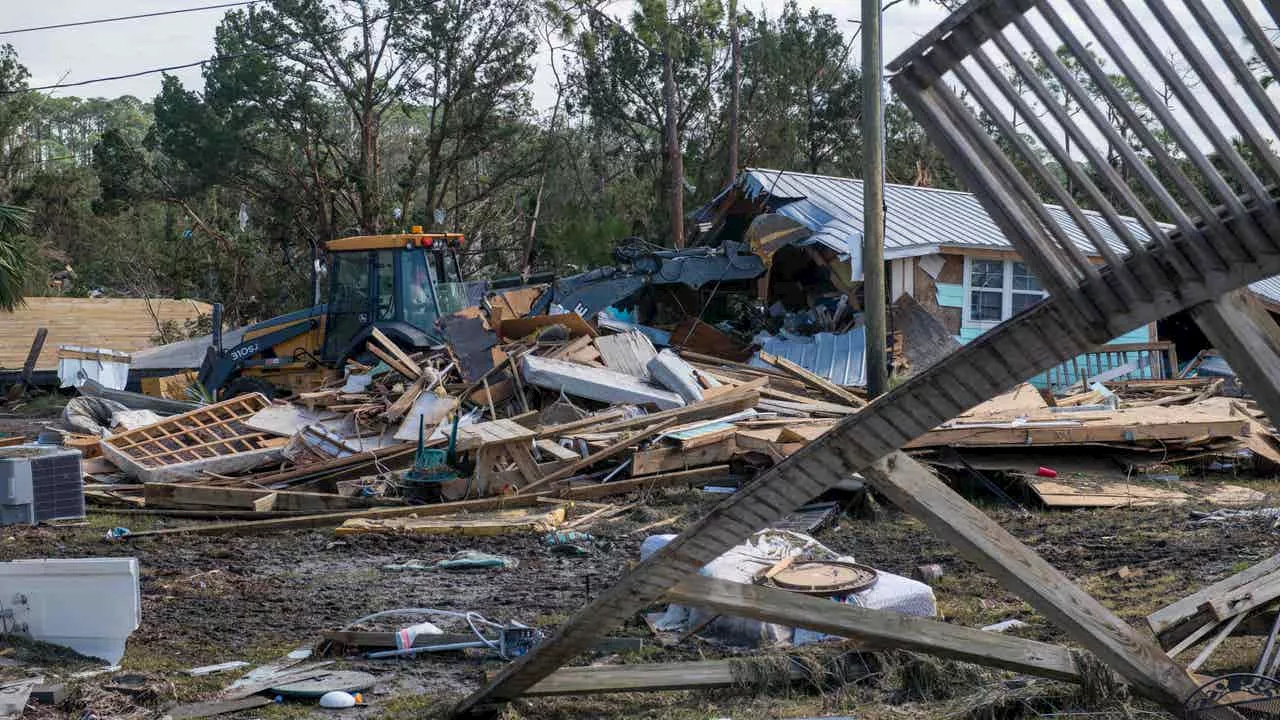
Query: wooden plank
[[562, 429], [1238, 585], [1117, 431], [334, 519], [599, 455], [494, 432], [665, 459], [184, 495], [814, 380], [648, 482], [638, 678], [504, 522], [740, 399], [1243, 331], [396, 351], [914, 488], [211, 708], [1066, 493], [1228, 627], [555, 451], [519, 452], [877, 629], [1236, 601], [393, 362]]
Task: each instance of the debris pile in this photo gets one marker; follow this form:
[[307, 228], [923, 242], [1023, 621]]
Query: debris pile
[[547, 407]]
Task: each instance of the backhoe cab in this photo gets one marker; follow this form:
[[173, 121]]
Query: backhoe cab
[[398, 284]]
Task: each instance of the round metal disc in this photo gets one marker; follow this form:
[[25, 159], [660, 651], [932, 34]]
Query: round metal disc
[[323, 682], [824, 578]]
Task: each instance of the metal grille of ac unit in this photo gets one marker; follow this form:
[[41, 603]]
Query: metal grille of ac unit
[[57, 488]]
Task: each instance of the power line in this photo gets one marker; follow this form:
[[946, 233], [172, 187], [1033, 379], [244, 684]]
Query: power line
[[81, 23], [264, 50]]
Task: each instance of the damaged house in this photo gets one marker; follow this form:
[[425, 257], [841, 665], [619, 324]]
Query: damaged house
[[942, 250]]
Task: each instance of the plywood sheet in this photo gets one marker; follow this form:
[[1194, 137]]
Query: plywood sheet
[[124, 324], [1063, 494]]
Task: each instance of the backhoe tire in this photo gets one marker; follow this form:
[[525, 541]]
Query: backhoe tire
[[246, 385]]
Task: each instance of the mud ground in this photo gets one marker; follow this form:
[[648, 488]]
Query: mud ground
[[209, 600]]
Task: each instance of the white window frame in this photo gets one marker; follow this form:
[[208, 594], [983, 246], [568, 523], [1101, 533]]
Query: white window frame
[[1006, 293]]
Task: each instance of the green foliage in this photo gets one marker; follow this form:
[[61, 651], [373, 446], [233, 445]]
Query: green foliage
[[13, 260]]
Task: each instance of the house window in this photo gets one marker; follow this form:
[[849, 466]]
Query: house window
[[998, 289]]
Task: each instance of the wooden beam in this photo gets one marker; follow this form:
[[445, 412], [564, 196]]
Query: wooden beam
[[335, 519], [637, 678], [650, 482], [1174, 622], [914, 488], [731, 402], [393, 362], [399, 354], [877, 629], [600, 418], [1247, 337], [604, 454], [813, 380], [160, 495], [666, 459]]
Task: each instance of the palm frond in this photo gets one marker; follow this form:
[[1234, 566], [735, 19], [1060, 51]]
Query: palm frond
[[14, 264]]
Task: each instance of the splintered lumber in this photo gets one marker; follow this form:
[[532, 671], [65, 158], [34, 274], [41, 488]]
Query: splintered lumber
[[718, 407], [599, 455], [334, 519], [392, 361], [638, 678], [506, 522], [213, 438], [200, 496], [562, 429], [495, 432], [1164, 424], [595, 383], [912, 487], [397, 409], [1249, 340], [1235, 594], [410, 367], [663, 459], [877, 629], [648, 482], [813, 380]]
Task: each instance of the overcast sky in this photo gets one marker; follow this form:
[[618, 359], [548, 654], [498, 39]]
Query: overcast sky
[[73, 54]]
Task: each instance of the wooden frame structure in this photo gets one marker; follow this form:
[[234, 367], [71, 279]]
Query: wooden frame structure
[[213, 437], [1151, 271]]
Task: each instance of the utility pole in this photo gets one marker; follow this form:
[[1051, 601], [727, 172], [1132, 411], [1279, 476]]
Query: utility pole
[[735, 89], [873, 289], [675, 158]]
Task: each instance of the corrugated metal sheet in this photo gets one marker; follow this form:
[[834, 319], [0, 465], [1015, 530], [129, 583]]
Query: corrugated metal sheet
[[1268, 289], [917, 217], [839, 358]]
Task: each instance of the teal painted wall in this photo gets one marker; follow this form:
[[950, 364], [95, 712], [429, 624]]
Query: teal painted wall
[[950, 295]]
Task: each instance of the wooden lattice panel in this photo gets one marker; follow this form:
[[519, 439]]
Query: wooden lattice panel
[[212, 431]]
